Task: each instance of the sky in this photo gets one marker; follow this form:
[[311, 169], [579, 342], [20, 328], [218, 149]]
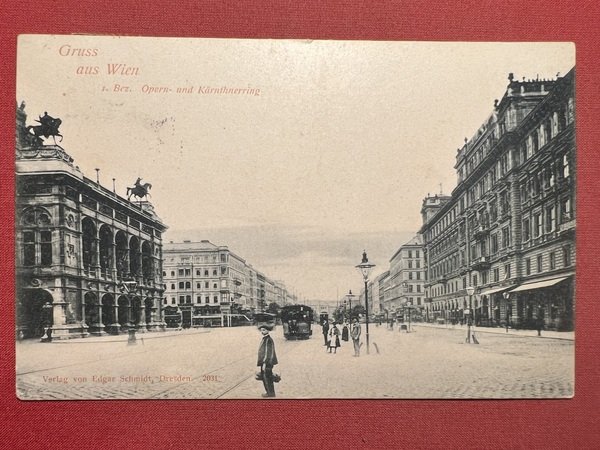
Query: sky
[[318, 150]]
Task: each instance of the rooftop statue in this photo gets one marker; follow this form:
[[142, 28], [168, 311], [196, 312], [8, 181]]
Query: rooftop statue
[[48, 126]]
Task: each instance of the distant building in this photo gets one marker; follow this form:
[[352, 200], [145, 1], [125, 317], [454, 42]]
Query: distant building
[[508, 229], [88, 261], [407, 277], [209, 285]]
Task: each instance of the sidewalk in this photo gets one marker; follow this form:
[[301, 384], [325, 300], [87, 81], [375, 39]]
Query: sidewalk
[[563, 335], [140, 336]]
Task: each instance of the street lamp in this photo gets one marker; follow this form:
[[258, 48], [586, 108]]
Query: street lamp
[[470, 291], [365, 269], [349, 296], [128, 287], [506, 296]]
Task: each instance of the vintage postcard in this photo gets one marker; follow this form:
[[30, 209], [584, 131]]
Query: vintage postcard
[[247, 219]]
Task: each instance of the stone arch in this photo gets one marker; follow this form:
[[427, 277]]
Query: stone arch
[[123, 311], [136, 310], [35, 216], [33, 313], [105, 243], [147, 260], [134, 256], [122, 254], [108, 313], [91, 311], [89, 243], [148, 310]]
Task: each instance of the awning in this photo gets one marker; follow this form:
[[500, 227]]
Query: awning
[[539, 284], [496, 289]]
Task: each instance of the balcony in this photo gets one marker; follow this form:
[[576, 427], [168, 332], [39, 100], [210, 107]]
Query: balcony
[[567, 226], [481, 263], [481, 231]]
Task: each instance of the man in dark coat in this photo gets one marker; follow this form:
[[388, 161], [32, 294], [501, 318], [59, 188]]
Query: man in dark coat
[[266, 360], [325, 331]]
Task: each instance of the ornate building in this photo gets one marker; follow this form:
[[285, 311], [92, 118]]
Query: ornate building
[[207, 284], [508, 229], [87, 260]]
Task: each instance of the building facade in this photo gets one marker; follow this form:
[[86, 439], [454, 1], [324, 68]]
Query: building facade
[[407, 277], [209, 285], [508, 229], [87, 260]]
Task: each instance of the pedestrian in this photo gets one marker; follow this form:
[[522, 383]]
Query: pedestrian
[[345, 332], [334, 338], [325, 331], [540, 321], [355, 334], [267, 358]]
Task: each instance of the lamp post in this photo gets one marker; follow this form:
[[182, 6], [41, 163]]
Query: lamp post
[[470, 291], [128, 287], [349, 296], [365, 269], [506, 296]]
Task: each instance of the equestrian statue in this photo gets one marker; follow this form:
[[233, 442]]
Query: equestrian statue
[[139, 190], [48, 126]]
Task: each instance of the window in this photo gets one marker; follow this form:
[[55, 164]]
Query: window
[[539, 263], [181, 285], [410, 253], [550, 219], [497, 274], [216, 299], [198, 299], [418, 275], [198, 285], [537, 225], [494, 244], [206, 285], [417, 254], [565, 167], [528, 266], [207, 299], [172, 273], [188, 299], [506, 271], [198, 273], [223, 257], [474, 280], [180, 272], [552, 260], [215, 286], [505, 237], [188, 285], [206, 273], [214, 272], [28, 248], [188, 272], [484, 277], [418, 264], [566, 210], [181, 299], [410, 264], [418, 288], [526, 230], [172, 286], [567, 255], [172, 300]]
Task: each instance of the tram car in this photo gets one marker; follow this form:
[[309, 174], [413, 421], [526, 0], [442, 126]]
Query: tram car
[[296, 321], [265, 319], [172, 316]]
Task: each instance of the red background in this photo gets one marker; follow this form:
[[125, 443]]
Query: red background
[[324, 423]]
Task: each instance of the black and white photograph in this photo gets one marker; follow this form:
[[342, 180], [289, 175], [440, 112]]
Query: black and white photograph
[[290, 219]]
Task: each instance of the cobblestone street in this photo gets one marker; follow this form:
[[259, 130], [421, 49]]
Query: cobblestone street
[[220, 363]]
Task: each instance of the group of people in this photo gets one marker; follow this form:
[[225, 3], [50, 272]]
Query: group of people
[[331, 335]]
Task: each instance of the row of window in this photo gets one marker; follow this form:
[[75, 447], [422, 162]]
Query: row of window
[[530, 265], [199, 272], [187, 299]]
